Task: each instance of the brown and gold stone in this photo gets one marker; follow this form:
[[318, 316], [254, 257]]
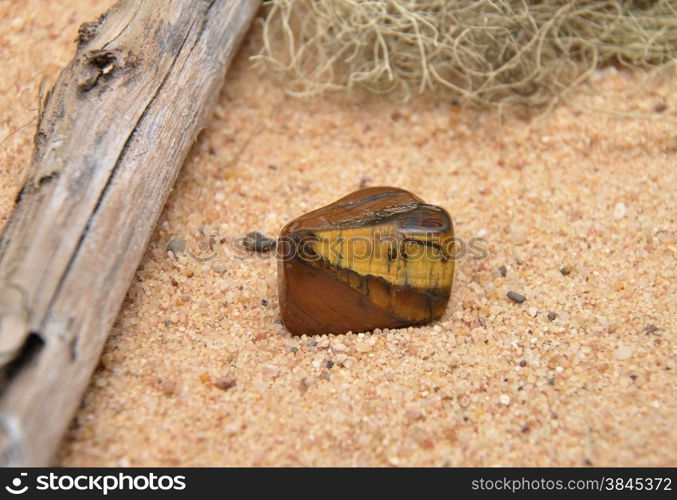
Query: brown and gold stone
[[377, 258]]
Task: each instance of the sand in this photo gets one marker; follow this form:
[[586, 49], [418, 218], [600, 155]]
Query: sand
[[199, 371]]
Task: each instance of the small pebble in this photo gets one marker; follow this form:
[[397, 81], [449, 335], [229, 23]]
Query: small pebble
[[566, 270], [414, 414], [306, 382], [533, 312], [620, 210], [168, 387], [177, 246], [270, 371], [264, 303], [504, 400], [503, 271], [219, 267], [362, 347], [257, 242], [338, 347], [225, 383], [518, 236], [330, 364], [107, 360], [422, 437], [651, 329], [516, 297], [624, 352], [552, 316]]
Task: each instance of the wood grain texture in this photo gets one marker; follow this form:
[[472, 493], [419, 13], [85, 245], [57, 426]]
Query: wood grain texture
[[112, 136]]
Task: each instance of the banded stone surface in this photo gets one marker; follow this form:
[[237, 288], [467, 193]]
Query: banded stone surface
[[377, 258]]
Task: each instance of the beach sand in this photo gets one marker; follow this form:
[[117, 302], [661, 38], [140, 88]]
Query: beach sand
[[576, 211]]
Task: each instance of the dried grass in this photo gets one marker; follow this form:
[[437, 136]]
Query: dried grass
[[485, 52]]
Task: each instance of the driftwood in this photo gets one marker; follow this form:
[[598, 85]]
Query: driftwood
[[112, 136]]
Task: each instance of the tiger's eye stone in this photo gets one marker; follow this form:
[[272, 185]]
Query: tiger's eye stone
[[377, 258]]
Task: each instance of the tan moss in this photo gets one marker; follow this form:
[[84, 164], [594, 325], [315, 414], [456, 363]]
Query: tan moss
[[481, 52]]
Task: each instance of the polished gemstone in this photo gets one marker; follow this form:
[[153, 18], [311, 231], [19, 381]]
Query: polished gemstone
[[377, 258]]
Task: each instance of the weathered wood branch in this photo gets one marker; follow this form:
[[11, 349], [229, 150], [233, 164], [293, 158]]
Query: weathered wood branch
[[112, 136]]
